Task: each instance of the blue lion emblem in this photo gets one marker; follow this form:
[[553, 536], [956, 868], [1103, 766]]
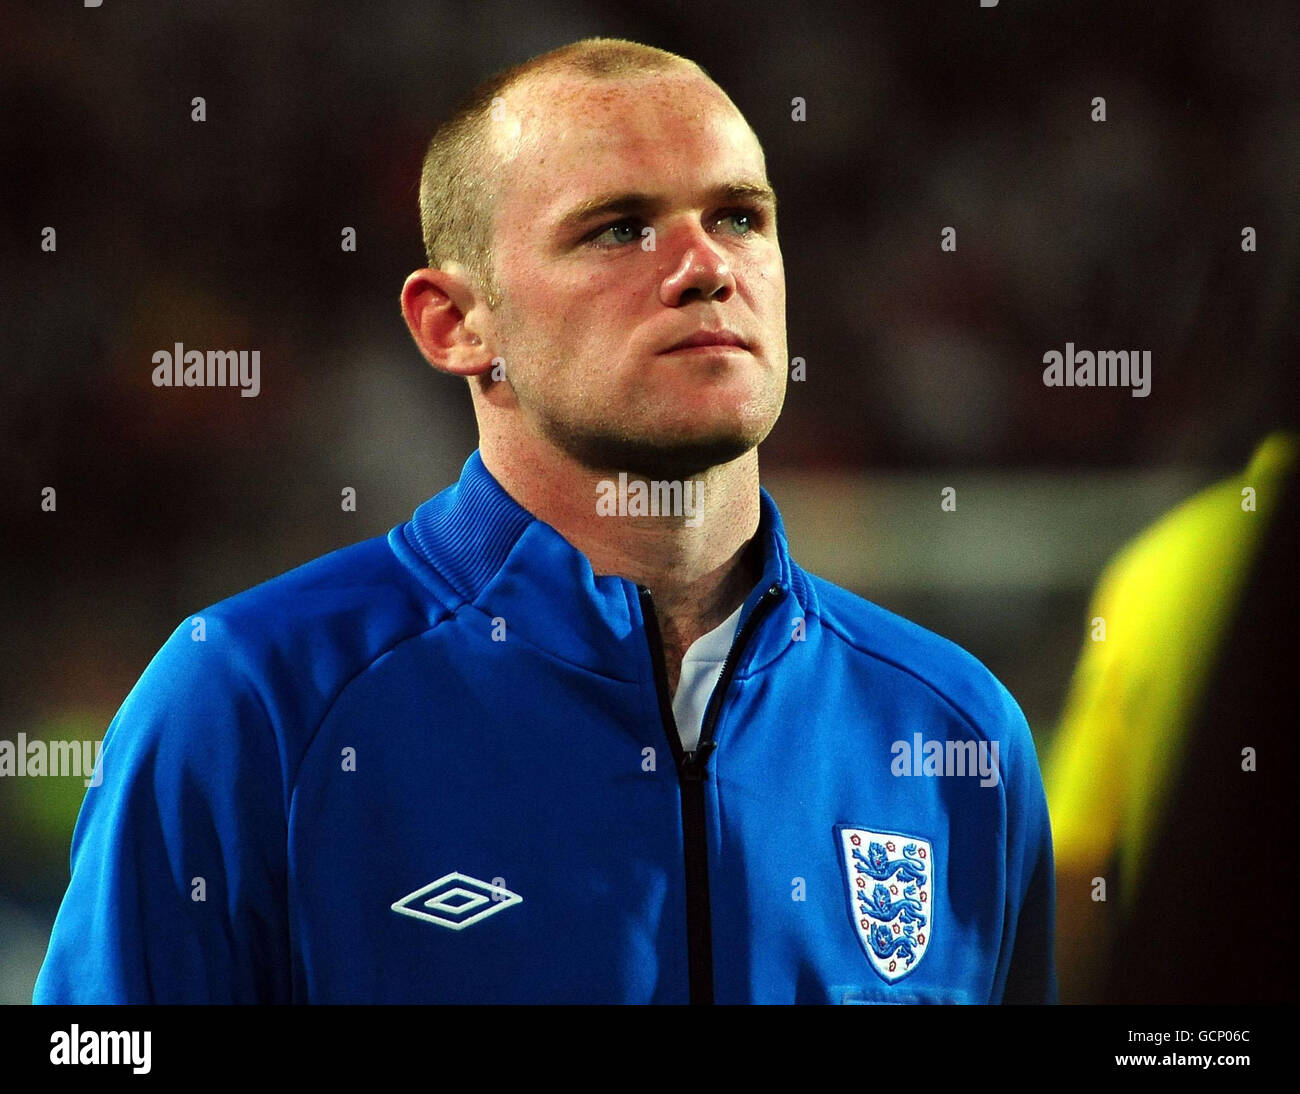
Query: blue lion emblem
[[884, 944], [877, 864], [879, 906]]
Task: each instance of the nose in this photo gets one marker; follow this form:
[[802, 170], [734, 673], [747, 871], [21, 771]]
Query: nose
[[701, 273]]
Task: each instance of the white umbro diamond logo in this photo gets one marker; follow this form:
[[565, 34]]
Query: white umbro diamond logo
[[456, 901]]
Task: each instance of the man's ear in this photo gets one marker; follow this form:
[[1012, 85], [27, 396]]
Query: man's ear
[[435, 305]]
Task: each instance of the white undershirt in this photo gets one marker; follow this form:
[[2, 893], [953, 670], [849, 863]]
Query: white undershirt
[[701, 668]]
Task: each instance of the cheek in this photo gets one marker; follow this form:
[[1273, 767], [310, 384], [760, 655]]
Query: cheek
[[776, 301], [546, 333], [774, 274]]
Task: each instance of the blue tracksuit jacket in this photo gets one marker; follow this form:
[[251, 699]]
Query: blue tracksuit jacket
[[440, 766]]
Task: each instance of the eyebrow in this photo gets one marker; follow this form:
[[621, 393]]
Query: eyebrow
[[636, 203]]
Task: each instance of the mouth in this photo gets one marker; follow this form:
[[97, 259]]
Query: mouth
[[709, 341]]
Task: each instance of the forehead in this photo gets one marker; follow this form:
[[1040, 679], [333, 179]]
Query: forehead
[[564, 136]]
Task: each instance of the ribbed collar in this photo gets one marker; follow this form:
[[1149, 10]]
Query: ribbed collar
[[475, 546]]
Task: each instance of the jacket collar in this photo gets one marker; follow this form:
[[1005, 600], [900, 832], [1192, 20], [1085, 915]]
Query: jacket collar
[[477, 548]]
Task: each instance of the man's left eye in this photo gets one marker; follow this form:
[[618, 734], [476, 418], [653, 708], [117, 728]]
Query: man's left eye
[[746, 221]]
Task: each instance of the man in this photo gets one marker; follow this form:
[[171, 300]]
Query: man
[[581, 730]]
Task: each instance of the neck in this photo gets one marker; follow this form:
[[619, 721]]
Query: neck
[[699, 563]]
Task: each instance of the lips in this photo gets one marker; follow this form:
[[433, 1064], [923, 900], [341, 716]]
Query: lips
[[703, 339]]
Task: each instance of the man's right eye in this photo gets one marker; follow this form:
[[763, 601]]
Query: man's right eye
[[617, 234]]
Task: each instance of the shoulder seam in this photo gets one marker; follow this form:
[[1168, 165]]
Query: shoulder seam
[[965, 717], [329, 707]]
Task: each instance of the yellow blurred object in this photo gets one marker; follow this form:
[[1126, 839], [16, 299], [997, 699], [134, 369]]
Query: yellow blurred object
[[1166, 601]]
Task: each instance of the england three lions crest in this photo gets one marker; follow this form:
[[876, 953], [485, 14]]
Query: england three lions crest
[[891, 897]]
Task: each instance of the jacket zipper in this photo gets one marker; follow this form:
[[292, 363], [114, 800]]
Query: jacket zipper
[[690, 773]]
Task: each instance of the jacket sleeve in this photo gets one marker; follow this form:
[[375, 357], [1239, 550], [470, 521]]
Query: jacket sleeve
[[1028, 960], [177, 893]]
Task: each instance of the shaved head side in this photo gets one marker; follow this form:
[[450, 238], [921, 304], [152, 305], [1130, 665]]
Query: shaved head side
[[461, 168]]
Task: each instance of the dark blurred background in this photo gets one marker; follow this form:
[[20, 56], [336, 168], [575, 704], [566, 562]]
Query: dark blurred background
[[924, 368]]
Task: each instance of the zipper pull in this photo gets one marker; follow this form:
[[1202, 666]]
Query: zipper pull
[[693, 763]]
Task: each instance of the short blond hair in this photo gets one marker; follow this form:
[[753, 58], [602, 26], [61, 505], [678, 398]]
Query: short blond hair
[[456, 204]]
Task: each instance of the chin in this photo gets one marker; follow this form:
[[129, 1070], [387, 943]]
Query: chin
[[675, 455]]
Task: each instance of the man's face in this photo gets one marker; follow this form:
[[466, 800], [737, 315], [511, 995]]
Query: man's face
[[589, 312]]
